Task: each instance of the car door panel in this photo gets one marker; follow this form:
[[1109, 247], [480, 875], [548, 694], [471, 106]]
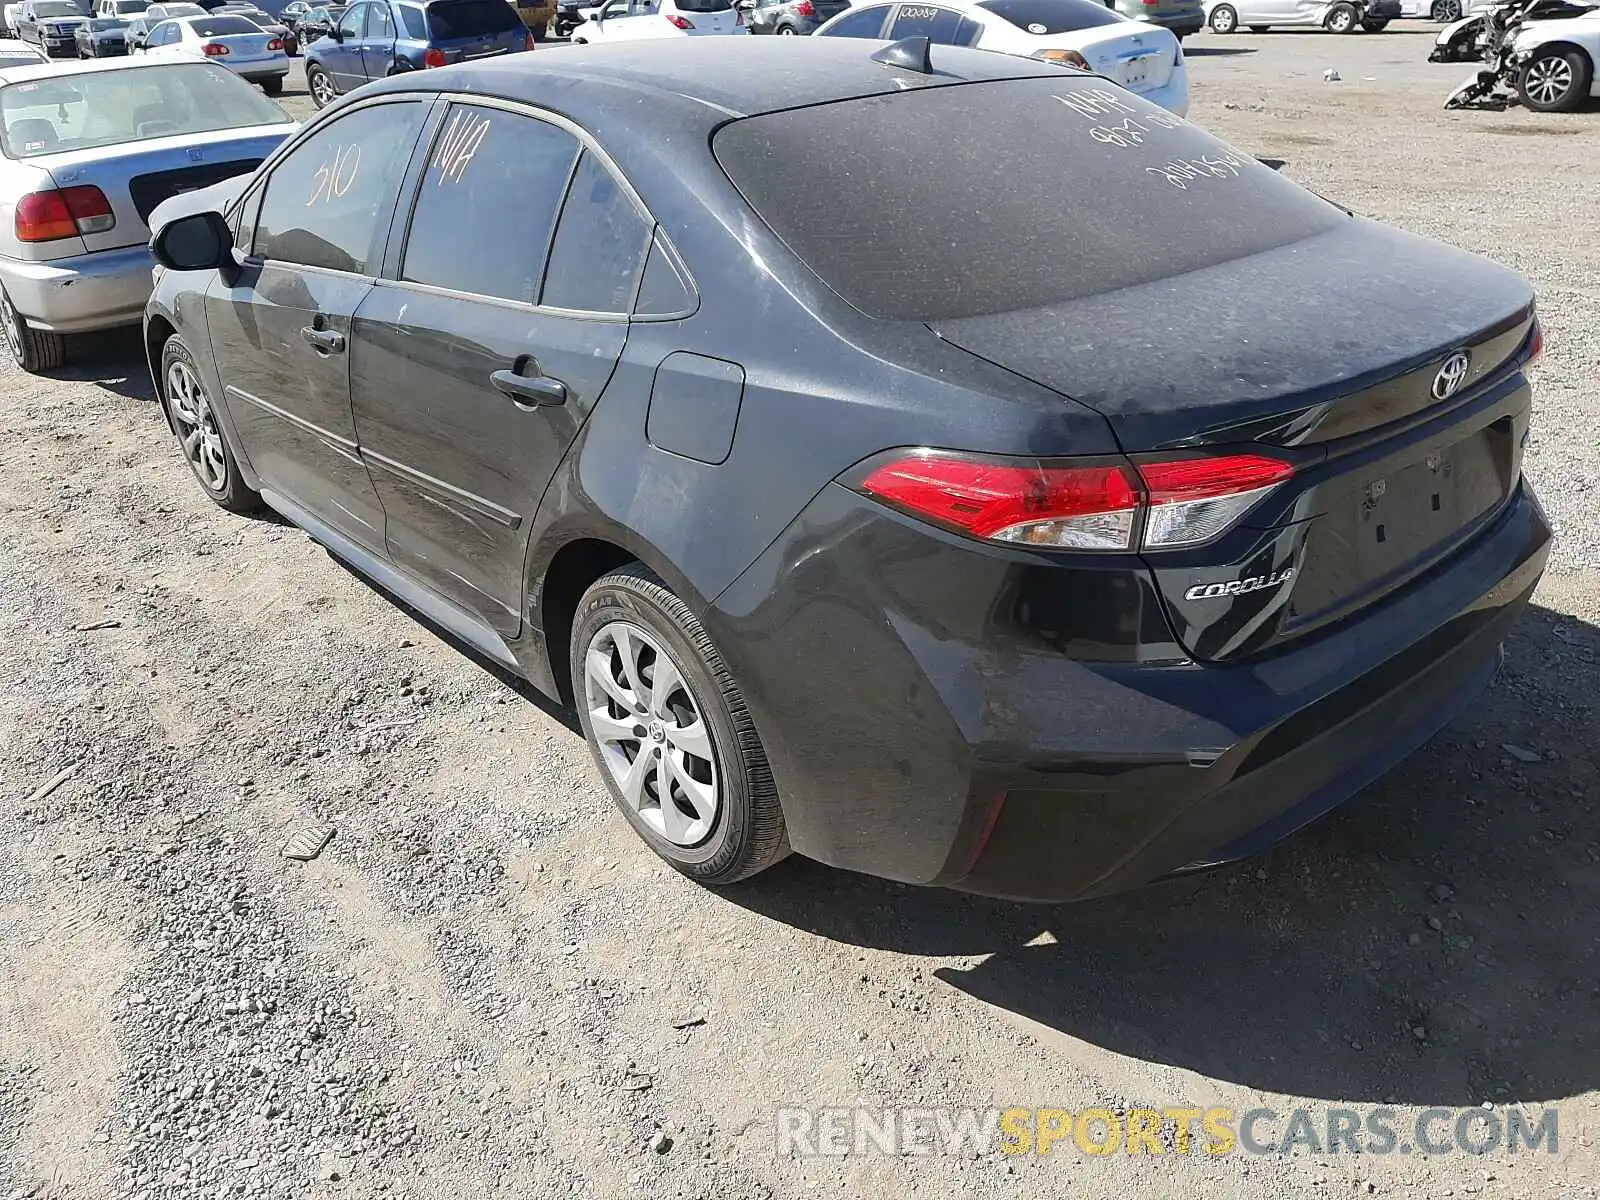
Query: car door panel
[[342, 59], [459, 462], [460, 465], [377, 42], [281, 330]]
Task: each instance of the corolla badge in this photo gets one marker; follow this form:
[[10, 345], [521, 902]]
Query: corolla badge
[[1452, 375], [1239, 587]]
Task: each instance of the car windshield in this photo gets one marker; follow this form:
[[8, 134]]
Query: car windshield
[[704, 6], [131, 6], [949, 202], [104, 108], [105, 23], [222, 26], [450, 19], [57, 8], [1052, 16]]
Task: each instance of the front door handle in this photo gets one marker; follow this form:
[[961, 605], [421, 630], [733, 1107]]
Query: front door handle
[[530, 391], [327, 341]]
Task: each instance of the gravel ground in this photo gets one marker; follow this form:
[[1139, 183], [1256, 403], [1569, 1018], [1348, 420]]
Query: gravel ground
[[486, 986]]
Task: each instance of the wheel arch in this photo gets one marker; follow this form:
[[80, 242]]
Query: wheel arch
[[1563, 46], [157, 329]]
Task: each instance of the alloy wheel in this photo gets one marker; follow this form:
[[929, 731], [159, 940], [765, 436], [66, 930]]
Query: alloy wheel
[[651, 733], [1447, 11], [1548, 79], [322, 89], [787, 31], [197, 426], [13, 327]]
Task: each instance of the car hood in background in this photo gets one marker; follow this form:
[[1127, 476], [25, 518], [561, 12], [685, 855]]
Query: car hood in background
[[1305, 323]]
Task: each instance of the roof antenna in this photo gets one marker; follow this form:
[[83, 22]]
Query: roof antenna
[[909, 54]]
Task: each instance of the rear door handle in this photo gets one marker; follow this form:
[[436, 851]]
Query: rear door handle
[[530, 391], [328, 341]]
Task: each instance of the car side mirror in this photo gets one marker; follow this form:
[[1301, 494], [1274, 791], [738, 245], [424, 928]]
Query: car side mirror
[[336, 34], [197, 242]]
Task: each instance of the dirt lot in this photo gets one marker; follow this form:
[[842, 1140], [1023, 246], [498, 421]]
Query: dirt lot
[[487, 986]]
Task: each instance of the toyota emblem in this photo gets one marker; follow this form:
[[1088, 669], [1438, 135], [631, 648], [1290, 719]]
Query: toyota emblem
[[1452, 375]]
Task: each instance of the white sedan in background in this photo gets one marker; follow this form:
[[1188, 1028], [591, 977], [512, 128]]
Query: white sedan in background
[[634, 20], [229, 41], [1144, 58], [14, 52]]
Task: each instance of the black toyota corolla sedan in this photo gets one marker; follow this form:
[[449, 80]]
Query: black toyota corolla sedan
[[951, 468]]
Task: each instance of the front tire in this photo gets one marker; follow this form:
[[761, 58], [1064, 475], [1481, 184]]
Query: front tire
[[35, 350], [1224, 19], [1375, 24], [670, 732], [1341, 18], [1445, 11], [320, 85], [201, 439], [1555, 80]]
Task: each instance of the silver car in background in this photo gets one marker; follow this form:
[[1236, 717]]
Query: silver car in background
[[90, 148]]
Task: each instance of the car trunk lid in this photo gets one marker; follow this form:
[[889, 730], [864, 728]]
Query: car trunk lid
[[1382, 365], [137, 176], [1135, 55]]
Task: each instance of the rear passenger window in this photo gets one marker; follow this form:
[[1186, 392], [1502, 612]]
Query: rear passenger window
[[487, 203], [600, 244], [323, 202], [938, 25], [379, 23], [665, 290], [416, 27], [867, 23]]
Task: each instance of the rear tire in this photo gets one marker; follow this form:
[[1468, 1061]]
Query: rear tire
[[1445, 11], [695, 740], [1375, 24], [787, 31], [201, 439], [35, 350], [1224, 19], [1341, 18], [1555, 80]]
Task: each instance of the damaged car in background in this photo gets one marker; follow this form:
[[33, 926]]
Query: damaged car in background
[[1547, 63]]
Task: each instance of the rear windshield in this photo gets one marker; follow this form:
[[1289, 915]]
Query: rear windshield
[[131, 6], [19, 60], [1052, 16], [59, 8], [223, 26], [82, 110], [703, 6], [957, 201], [449, 19]]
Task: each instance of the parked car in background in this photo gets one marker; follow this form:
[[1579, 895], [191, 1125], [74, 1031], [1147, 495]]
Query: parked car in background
[[1336, 16], [377, 38], [1555, 62], [1145, 59], [636, 20], [14, 52], [789, 17], [125, 9], [259, 16], [1182, 17], [90, 149], [1443, 11], [292, 12], [102, 37], [139, 28], [317, 22], [569, 15], [977, 586], [8, 17], [236, 43], [51, 24]]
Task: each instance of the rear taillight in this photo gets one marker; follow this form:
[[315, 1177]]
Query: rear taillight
[[680, 22], [63, 213], [275, 44], [1107, 505], [527, 41], [1535, 342], [805, 8], [214, 50], [433, 57]]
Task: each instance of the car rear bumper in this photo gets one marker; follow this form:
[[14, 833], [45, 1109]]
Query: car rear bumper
[[1182, 24], [75, 295], [1172, 95], [1388, 10], [940, 714]]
